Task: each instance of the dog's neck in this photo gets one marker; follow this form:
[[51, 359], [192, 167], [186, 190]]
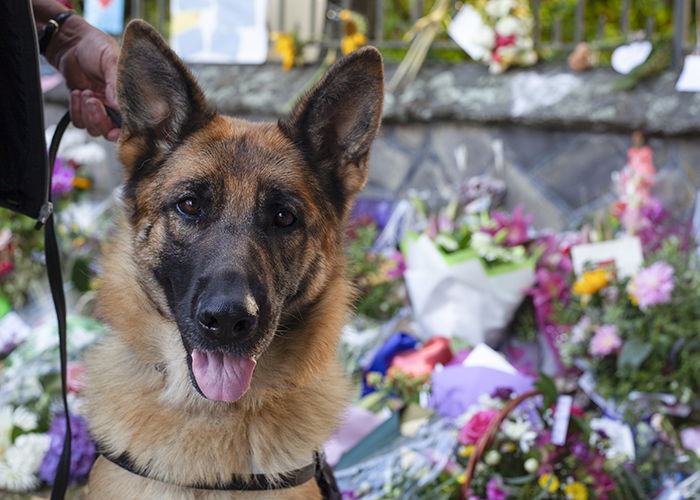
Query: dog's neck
[[140, 399]]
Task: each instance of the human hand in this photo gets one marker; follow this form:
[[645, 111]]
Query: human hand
[[87, 58]]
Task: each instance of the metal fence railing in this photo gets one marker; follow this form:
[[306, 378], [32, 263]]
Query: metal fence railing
[[582, 21]]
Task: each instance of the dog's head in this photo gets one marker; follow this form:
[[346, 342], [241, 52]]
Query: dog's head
[[237, 226]]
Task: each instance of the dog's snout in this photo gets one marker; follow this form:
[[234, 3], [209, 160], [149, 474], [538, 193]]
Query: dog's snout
[[226, 321]]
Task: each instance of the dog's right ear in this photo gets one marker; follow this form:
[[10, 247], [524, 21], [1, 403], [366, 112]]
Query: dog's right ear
[[159, 99]]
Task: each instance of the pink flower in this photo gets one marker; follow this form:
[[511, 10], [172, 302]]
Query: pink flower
[[494, 491], [477, 425], [399, 266], [74, 377], [641, 161], [514, 227], [605, 341], [652, 285]]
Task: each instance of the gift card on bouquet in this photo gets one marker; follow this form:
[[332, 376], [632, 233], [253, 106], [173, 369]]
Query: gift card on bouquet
[[625, 253]]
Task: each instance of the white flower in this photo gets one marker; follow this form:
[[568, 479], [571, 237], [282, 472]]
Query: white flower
[[520, 431], [499, 8], [528, 58], [5, 429], [509, 25], [24, 419], [14, 480], [89, 155], [26, 454], [531, 465], [492, 457]]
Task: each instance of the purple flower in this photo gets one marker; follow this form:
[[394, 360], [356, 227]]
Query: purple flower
[[581, 451], [82, 449], [652, 285], [494, 491], [62, 178], [605, 341], [503, 393]]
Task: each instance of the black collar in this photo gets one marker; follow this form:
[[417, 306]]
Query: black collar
[[318, 469]]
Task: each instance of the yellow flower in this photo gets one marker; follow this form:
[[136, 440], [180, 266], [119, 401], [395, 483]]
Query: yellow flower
[[344, 15], [284, 46], [466, 451], [352, 42], [576, 491], [591, 282], [81, 183], [548, 482], [461, 478]]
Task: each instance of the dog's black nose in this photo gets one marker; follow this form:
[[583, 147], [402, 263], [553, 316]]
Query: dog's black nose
[[225, 321]]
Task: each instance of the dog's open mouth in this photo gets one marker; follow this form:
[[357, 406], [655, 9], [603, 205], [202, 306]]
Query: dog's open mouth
[[222, 376]]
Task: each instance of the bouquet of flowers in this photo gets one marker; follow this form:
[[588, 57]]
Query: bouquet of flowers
[[637, 336], [529, 457], [466, 274], [496, 32]]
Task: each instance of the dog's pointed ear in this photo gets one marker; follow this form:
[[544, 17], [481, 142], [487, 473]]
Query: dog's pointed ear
[[335, 123], [159, 99]]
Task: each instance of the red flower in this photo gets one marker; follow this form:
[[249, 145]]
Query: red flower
[[477, 425]]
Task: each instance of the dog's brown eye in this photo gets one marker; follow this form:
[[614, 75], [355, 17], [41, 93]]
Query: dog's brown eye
[[284, 218], [190, 207]]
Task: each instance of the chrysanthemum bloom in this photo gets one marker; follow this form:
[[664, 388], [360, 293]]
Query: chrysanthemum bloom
[[548, 482], [652, 286], [591, 281], [576, 491], [605, 341]]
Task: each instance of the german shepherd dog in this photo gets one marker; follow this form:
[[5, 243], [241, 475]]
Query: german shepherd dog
[[225, 287]]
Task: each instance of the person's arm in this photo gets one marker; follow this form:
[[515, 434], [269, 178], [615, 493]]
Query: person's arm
[[87, 58]]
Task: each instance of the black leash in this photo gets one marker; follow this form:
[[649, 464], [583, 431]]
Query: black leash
[[53, 269]]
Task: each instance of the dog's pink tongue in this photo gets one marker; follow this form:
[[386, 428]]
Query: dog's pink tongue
[[222, 376]]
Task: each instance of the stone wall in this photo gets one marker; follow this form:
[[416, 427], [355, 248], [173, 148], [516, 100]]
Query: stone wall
[[553, 135]]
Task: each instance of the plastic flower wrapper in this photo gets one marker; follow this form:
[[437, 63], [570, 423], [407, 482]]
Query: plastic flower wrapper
[[406, 468], [466, 282], [33, 363]]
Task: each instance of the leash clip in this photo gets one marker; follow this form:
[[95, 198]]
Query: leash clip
[[44, 214]]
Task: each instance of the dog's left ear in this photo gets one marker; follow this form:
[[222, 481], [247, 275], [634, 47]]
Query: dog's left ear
[[335, 123]]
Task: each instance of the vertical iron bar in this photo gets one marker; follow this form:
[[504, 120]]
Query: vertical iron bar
[[625, 19], [600, 28], [312, 35], [416, 10], [650, 26], [160, 13], [578, 28], [136, 9], [537, 28], [379, 20], [280, 15], [678, 25]]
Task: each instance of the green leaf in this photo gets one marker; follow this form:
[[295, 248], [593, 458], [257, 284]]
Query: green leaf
[[634, 352], [548, 389]]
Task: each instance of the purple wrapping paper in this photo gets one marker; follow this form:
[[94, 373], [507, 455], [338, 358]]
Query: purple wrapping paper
[[357, 423], [457, 387]]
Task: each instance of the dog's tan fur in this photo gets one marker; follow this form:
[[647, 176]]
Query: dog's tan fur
[[140, 399]]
